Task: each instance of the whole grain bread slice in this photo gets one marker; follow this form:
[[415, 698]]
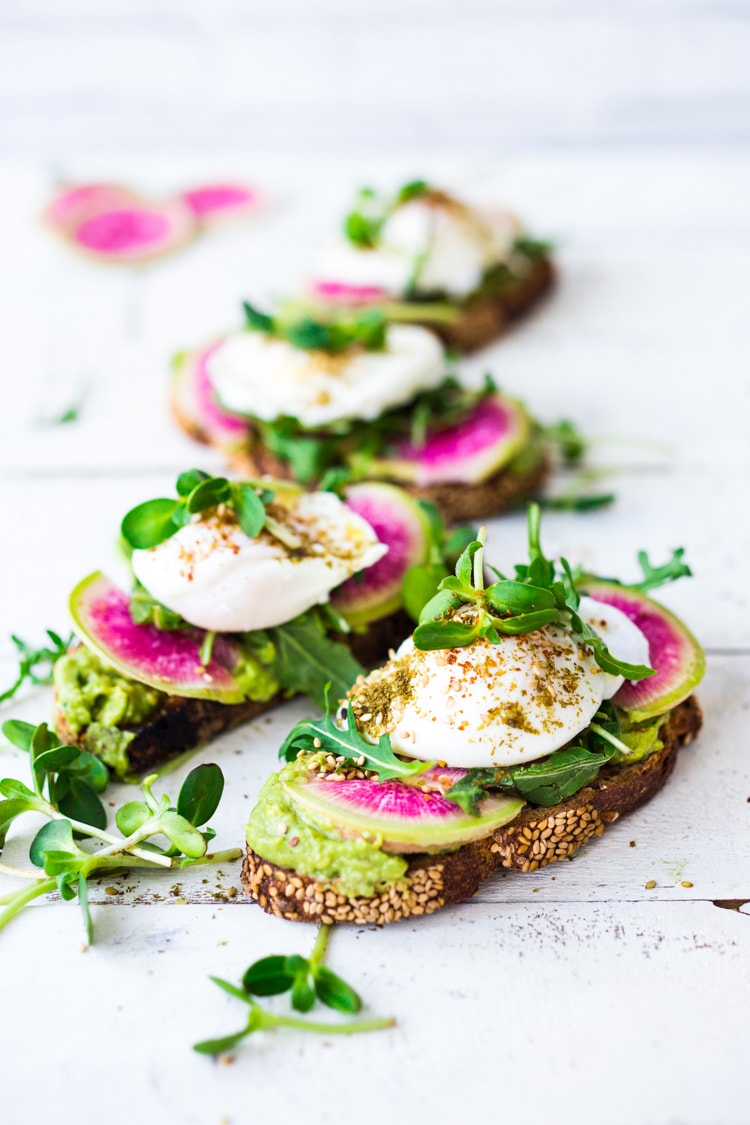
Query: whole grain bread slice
[[536, 837], [487, 316], [180, 724]]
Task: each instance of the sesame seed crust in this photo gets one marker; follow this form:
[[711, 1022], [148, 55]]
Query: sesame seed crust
[[538, 836]]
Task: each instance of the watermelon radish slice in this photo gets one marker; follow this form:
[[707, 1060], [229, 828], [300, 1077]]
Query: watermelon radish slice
[[196, 405], [404, 817], [341, 293], [134, 232], [673, 652], [213, 203], [73, 205], [168, 661], [398, 521], [495, 432]]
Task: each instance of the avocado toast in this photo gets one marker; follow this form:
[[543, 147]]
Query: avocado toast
[[520, 719], [245, 593]]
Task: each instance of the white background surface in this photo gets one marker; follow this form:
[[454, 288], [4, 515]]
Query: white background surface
[[572, 994]]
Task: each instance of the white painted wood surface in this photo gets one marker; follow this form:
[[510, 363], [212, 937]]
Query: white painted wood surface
[[574, 994]]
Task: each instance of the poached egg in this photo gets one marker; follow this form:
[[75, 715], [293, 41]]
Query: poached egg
[[496, 704], [430, 244], [218, 578], [257, 374]]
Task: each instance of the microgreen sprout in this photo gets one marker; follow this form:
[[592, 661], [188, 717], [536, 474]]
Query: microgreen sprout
[[66, 783], [307, 980], [35, 664], [327, 330], [541, 593], [364, 223], [153, 521]]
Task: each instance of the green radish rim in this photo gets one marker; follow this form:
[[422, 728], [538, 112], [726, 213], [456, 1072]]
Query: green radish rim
[[673, 651], [101, 619], [324, 804]]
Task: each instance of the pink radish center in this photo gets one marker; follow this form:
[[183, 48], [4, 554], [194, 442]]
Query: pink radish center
[[219, 197], [486, 425], [342, 293], [210, 410], [124, 231], [169, 656], [389, 800]]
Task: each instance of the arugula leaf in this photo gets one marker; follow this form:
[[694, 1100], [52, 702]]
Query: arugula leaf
[[559, 776], [324, 734], [654, 576], [36, 664], [306, 659]]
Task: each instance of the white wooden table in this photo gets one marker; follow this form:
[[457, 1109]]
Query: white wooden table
[[574, 994]]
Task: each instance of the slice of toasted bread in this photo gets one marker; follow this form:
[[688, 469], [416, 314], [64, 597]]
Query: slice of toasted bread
[[536, 837], [182, 724], [487, 316]]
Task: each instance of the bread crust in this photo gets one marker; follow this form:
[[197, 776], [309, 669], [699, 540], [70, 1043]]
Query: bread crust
[[483, 319], [182, 724], [536, 837], [456, 502]]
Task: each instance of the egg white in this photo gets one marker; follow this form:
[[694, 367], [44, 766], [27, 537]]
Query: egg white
[[500, 704], [259, 375], [217, 578], [454, 247]]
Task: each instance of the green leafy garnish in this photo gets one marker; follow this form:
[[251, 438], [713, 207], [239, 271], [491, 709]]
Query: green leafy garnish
[[145, 610], [153, 521], [66, 783], [364, 223], [540, 594], [307, 980], [330, 331], [36, 664], [306, 659], [311, 735], [534, 249], [350, 449], [655, 576], [609, 738]]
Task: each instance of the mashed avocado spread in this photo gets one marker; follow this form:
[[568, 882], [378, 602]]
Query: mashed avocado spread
[[97, 700], [277, 832]]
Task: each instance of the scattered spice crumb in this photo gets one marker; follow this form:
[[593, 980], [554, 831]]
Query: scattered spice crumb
[[632, 843], [232, 892], [650, 884], [226, 1060], [686, 884], [84, 948], [111, 891]]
